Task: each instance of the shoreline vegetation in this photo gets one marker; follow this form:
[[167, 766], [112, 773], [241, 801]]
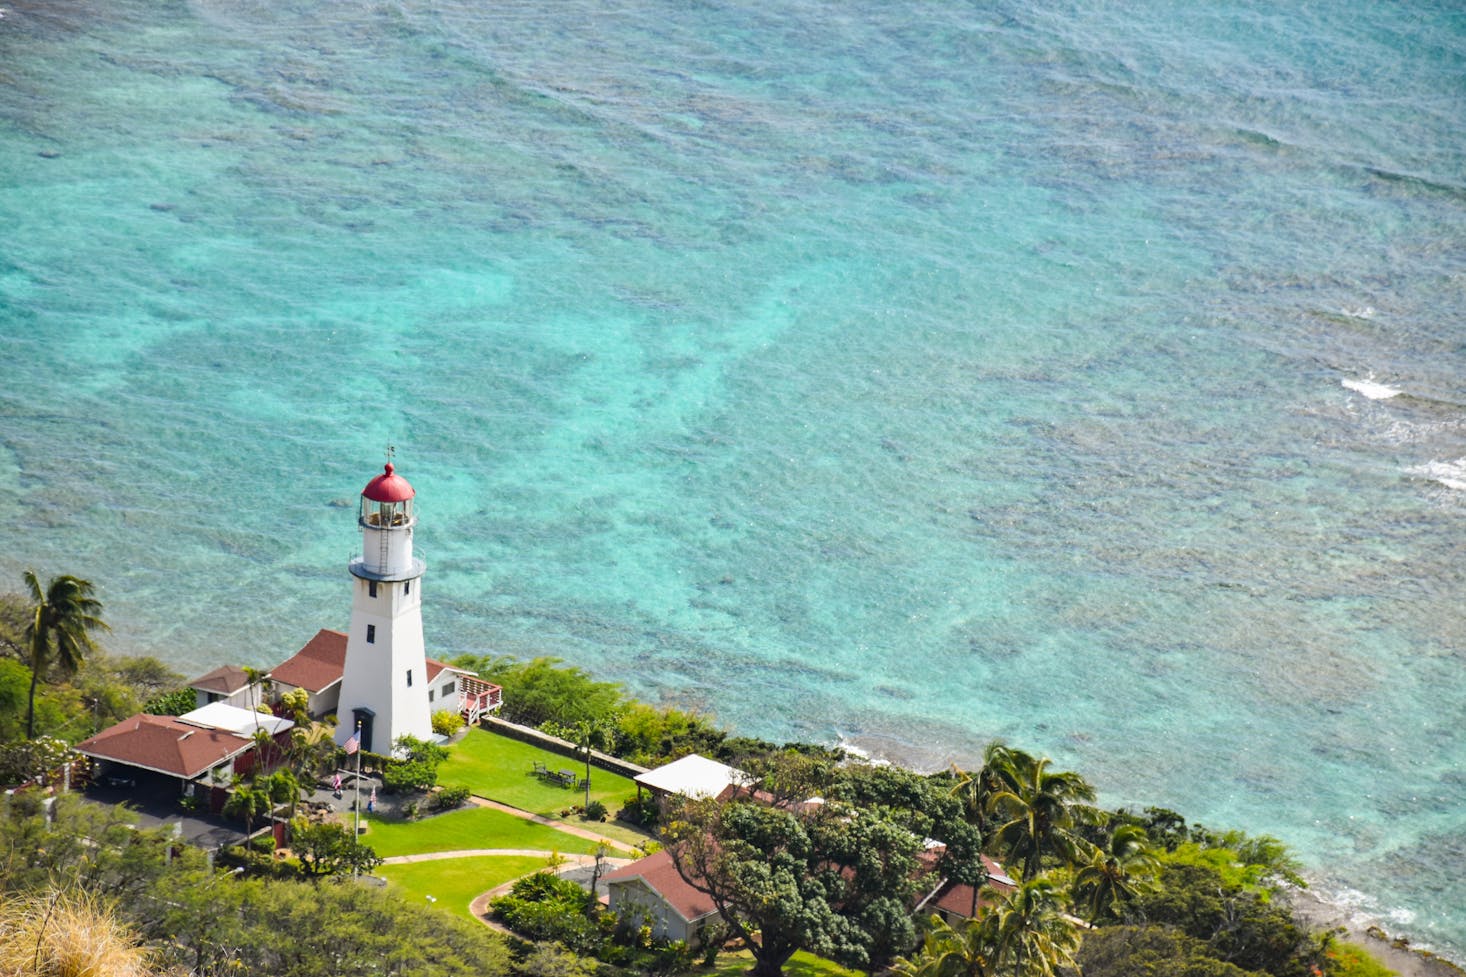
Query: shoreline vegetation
[[1125, 869]]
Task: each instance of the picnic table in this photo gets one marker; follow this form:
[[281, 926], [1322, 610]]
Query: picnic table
[[565, 778]]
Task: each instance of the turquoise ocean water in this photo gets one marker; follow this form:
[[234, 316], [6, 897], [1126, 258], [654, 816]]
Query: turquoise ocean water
[[903, 374]]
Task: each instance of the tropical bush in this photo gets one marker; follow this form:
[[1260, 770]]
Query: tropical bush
[[446, 723], [641, 810], [416, 771], [544, 906], [174, 703]]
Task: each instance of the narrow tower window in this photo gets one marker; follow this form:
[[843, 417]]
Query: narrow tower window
[[406, 587], [371, 634], [371, 588], [409, 678]]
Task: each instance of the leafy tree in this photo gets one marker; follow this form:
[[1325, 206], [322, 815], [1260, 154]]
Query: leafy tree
[[1128, 951], [41, 760], [654, 735], [1115, 873], [296, 704], [546, 689], [1237, 921], [59, 630], [417, 770], [98, 848], [836, 880], [174, 703], [925, 806], [282, 787], [15, 611], [326, 848], [1038, 811]]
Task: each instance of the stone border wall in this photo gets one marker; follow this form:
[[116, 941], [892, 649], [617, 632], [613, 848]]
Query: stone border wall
[[564, 747]]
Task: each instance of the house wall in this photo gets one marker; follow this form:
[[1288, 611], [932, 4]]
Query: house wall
[[324, 703], [241, 698], [319, 705], [634, 899]]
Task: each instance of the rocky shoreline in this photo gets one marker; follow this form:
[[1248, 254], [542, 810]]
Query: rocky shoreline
[[1394, 952]]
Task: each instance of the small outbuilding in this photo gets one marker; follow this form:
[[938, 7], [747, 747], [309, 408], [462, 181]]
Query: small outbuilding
[[652, 892], [694, 777], [317, 668], [228, 684]]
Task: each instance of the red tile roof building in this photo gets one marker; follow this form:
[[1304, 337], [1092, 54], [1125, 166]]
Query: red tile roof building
[[165, 745], [317, 666]]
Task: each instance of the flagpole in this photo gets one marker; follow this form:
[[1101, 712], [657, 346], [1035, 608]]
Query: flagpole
[[356, 824]]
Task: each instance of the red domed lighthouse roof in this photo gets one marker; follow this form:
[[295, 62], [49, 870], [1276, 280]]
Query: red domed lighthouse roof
[[389, 487]]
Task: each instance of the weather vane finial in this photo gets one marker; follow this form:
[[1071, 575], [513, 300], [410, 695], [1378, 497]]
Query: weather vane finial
[[391, 452]]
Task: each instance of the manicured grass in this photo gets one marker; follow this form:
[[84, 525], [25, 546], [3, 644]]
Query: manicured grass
[[456, 882], [800, 965], [465, 829], [501, 769]]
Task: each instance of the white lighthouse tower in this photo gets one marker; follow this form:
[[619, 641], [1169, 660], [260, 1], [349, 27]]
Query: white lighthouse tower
[[384, 687]]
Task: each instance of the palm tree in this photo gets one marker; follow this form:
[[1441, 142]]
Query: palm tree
[[1037, 811], [1114, 874], [949, 951], [259, 683], [1031, 932], [974, 789], [589, 736], [311, 745], [60, 623], [247, 801]]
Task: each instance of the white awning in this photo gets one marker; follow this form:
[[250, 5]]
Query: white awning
[[693, 776]]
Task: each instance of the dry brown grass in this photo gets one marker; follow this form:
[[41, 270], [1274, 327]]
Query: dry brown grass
[[67, 934]]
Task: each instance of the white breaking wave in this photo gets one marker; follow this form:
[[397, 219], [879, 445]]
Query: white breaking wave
[[1451, 474], [1371, 389]]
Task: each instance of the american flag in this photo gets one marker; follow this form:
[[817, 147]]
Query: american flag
[[353, 744]]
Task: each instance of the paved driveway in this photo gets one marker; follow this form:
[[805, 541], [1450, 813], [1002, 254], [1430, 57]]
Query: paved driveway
[[154, 798]]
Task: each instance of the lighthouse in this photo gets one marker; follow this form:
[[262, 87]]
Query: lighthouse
[[384, 683]]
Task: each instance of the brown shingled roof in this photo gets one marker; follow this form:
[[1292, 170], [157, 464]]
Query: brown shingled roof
[[955, 898], [164, 744], [226, 680], [318, 665], [660, 875]]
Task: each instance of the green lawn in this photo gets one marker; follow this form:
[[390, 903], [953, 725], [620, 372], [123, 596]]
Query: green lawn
[[501, 769], [800, 965], [467, 828], [455, 882]]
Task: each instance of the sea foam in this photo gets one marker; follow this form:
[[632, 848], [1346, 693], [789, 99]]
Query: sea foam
[[1371, 389]]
